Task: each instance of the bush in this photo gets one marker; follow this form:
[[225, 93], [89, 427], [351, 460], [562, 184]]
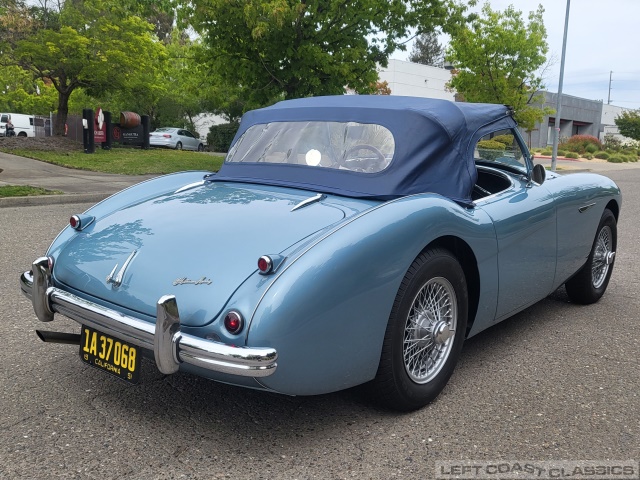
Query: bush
[[579, 143], [220, 136], [612, 143], [547, 151], [490, 149], [588, 156], [561, 153], [602, 155], [615, 159], [572, 155], [572, 148], [591, 148], [506, 140]]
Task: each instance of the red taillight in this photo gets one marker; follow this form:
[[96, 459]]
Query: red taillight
[[166, 135], [74, 222], [265, 264], [233, 322]]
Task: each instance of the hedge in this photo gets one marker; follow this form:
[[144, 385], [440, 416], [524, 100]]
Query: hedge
[[220, 136], [506, 140]]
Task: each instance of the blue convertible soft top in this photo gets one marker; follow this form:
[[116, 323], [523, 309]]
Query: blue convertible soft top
[[434, 141]]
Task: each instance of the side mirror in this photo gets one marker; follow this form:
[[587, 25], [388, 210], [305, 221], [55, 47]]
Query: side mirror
[[539, 174]]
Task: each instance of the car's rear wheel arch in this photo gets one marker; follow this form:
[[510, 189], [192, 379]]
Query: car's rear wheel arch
[[467, 259]]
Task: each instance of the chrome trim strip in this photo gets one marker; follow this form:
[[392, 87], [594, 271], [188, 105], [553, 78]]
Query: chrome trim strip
[[584, 208], [309, 201], [116, 282], [189, 186], [170, 346], [110, 276]]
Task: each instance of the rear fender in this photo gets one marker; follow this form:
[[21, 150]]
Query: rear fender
[[327, 310]]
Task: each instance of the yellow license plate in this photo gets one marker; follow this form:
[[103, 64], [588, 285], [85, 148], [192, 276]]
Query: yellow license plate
[[110, 354]]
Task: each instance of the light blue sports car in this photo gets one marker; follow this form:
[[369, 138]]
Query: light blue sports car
[[346, 240]]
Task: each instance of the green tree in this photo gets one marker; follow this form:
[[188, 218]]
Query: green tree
[[427, 50], [496, 59], [271, 49], [171, 99], [95, 45], [20, 93], [628, 123]]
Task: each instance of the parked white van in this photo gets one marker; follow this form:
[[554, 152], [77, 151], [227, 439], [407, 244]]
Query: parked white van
[[23, 124]]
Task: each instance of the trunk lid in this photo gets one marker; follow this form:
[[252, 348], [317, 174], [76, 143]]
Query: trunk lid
[[199, 245]]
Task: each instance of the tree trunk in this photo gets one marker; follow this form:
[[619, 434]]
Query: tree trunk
[[63, 110]]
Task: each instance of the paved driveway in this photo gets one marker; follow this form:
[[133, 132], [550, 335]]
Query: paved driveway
[[84, 185]]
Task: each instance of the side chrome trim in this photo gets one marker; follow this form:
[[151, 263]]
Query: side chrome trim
[[584, 208], [170, 346]]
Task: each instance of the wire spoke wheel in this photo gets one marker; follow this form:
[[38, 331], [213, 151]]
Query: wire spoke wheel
[[425, 333], [429, 330], [590, 282], [602, 257]]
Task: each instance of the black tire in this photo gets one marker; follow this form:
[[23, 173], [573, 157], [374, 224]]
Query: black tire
[[590, 283], [417, 334], [201, 148], [179, 146], [22, 134]]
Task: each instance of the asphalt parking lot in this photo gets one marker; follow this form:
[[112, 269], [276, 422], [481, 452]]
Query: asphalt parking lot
[[556, 382]]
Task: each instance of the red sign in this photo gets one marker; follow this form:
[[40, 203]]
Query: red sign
[[99, 127]]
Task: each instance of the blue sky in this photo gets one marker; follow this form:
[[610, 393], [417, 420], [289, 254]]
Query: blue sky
[[603, 36]]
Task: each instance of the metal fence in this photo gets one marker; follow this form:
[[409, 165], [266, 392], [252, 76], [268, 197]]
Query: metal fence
[[43, 126]]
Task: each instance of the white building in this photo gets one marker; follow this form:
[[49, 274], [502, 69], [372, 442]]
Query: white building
[[608, 124], [204, 121], [416, 80]]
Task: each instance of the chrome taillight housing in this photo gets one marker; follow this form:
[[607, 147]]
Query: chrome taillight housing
[[80, 222], [233, 322], [265, 264]]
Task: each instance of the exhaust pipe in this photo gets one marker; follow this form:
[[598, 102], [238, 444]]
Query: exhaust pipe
[[59, 337]]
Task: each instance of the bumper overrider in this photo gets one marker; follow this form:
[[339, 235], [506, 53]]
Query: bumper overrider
[[170, 346]]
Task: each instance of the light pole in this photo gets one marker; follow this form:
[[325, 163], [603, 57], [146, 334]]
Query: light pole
[[556, 137]]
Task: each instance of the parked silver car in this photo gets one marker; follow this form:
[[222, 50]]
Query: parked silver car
[[177, 138]]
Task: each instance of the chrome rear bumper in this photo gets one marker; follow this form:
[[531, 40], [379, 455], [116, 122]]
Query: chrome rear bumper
[[170, 346]]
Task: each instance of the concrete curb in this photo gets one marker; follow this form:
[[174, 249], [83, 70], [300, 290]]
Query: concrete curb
[[39, 200]]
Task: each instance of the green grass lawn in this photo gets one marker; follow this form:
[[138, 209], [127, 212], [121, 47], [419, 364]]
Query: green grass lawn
[[25, 191], [127, 161]]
